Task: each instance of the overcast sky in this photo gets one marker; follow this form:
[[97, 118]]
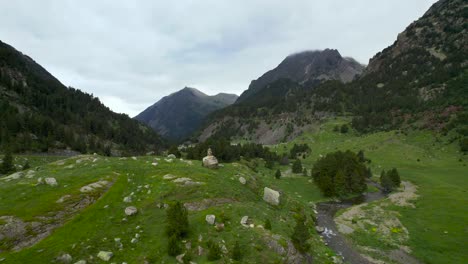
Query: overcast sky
[[132, 53]]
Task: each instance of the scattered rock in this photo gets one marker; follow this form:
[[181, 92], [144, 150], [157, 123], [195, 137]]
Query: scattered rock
[[14, 176], [63, 198], [95, 185], [169, 177], [242, 180], [244, 221], [219, 226], [271, 196], [30, 174], [154, 163], [105, 255], [319, 229], [134, 158], [171, 156], [51, 181], [210, 161], [127, 199], [81, 262], [210, 219], [134, 240], [180, 258], [131, 210], [182, 180], [40, 181], [200, 250], [65, 258]]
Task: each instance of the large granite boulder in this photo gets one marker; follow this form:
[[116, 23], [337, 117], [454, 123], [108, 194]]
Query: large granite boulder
[[210, 161], [271, 196]]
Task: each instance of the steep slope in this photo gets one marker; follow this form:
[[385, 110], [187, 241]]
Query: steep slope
[[419, 81], [178, 115], [307, 66], [38, 113]]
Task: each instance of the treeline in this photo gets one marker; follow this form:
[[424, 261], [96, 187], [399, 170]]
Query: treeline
[[38, 113], [227, 152]]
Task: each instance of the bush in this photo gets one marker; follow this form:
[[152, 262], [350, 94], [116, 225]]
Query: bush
[[304, 172], [301, 235], [214, 252], [173, 247], [267, 224], [297, 166], [344, 129], [177, 220], [278, 174], [7, 166], [236, 252], [26, 165]]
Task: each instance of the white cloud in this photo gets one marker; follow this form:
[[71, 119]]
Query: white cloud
[[132, 53]]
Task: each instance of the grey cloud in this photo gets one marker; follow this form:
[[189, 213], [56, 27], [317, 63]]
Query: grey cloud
[[132, 53]]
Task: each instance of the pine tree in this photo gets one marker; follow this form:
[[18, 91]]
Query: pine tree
[[173, 247], [297, 166], [304, 172], [177, 220], [7, 165], [301, 235], [236, 252], [386, 182], [278, 174], [267, 224], [395, 177]]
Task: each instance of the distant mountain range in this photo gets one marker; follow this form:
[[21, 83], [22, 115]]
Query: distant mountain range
[[178, 115], [420, 81]]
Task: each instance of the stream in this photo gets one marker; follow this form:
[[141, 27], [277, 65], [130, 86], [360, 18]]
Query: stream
[[336, 241]]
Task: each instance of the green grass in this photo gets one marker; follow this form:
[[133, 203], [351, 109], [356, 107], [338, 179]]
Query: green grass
[[437, 225], [95, 227]]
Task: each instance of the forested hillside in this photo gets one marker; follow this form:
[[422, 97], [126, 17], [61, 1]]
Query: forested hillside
[[38, 113]]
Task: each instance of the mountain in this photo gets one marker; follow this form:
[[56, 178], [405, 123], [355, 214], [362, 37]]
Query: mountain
[[38, 113], [307, 66], [417, 82], [178, 115]]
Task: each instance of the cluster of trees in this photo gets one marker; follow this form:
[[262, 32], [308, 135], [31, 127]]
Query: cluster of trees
[[53, 116], [226, 152], [340, 174], [299, 149], [390, 180]]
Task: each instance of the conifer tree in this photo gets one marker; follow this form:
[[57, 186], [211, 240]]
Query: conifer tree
[[297, 166], [278, 174], [7, 165]]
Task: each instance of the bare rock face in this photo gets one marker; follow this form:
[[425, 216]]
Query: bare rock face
[[271, 196], [210, 161]]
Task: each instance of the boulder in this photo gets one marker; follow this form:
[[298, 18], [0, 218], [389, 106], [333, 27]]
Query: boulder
[[51, 181], [271, 196], [65, 258], [171, 156], [242, 180], [169, 177], [210, 219], [210, 161], [105, 255], [131, 210], [319, 229]]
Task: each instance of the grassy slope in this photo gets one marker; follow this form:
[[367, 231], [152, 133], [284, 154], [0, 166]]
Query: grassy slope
[[440, 176], [95, 228]]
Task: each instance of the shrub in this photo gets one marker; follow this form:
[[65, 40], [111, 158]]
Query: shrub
[[278, 174], [214, 252], [173, 247], [344, 129], [268, 224], [236, 252], [177, 220], [297, 166], [7, 166], [301, 235]]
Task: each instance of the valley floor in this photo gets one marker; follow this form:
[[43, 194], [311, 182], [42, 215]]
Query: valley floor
[[84, 212]]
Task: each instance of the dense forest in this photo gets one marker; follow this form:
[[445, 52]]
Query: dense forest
[[38, 113]]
